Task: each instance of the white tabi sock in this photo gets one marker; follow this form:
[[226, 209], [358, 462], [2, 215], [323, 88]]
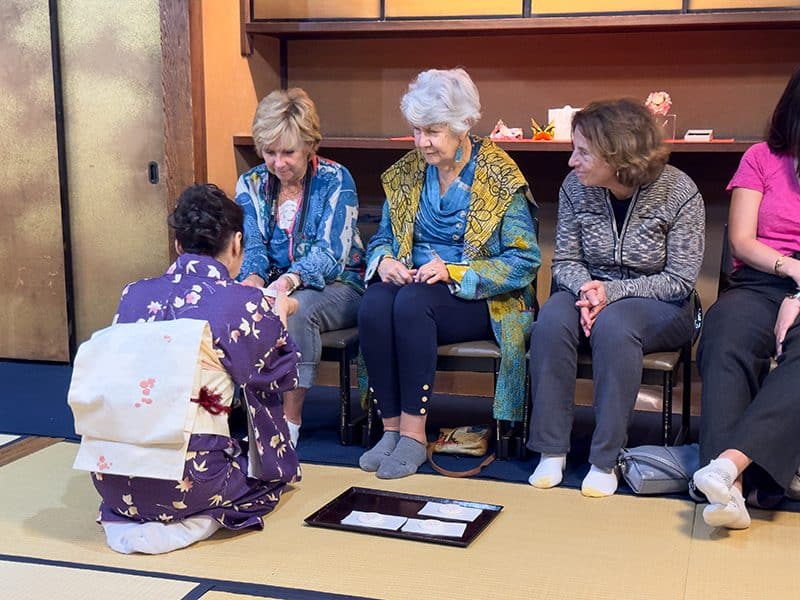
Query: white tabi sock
[[158, 538]]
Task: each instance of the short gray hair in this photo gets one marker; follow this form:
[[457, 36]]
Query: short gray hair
[[442, 96]]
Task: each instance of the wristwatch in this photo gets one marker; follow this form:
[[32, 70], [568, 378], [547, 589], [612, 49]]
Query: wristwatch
[[794, 296], [778, 268]]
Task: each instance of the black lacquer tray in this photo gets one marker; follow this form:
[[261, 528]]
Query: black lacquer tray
[[403, 505]]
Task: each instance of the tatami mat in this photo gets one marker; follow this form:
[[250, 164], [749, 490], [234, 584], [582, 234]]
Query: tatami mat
[[761, 562], [545, 544], [35, 582]]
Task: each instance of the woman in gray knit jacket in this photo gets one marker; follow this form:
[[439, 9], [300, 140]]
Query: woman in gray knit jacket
[[629, 244]]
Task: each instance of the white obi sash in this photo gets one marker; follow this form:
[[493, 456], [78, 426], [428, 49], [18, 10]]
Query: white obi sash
[[131, 395]]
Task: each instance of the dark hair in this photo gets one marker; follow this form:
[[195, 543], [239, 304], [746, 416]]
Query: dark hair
[[784, 130], [204, 219], [625, 134]]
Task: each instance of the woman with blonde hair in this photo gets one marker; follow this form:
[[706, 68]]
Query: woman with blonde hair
[[300, 233], [629, 244]]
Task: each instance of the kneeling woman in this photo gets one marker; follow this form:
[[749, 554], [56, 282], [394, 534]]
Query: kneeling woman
[[144, 514], [453, 260], [629, 244]]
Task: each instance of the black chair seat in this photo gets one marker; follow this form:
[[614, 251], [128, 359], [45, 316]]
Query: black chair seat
[[340, 338]]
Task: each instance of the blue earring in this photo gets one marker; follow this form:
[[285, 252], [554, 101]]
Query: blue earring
[[459, 152]]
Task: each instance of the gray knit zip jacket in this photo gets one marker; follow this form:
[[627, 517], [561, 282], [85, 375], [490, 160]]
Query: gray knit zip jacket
[[657, 254]]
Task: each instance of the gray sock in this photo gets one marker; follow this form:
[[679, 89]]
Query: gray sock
[[408, 456], [372, 459]]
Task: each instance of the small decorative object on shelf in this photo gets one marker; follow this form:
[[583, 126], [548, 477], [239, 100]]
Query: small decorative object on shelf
[[699, 135], [659, 104], [501, 132], [542, 133], [561, 119]]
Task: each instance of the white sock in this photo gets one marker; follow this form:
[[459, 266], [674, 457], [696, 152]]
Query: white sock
[[599, 483], [732, 515], [294, 432], [158, 538], [117, 533], [716, 479], [549, 471]]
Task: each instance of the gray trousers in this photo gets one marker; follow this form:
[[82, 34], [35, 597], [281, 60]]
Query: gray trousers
[[623, 332], [334, 307]]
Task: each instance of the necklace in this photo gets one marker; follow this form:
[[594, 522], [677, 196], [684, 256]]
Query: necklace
[[291, 191]]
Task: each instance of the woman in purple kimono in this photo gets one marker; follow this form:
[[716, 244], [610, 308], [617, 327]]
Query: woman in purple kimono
[[152, 516]]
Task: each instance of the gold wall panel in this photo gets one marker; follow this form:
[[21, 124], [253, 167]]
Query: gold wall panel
[[316, 9], [707, 4], [452, 8], [233, 86], [33, 314], [114, 127], [543, 7]]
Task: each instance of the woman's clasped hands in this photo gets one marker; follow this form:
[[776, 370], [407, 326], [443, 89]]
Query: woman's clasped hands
[[392, 270], [591, 301]]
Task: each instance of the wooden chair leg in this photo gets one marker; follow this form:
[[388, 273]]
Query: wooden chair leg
[[344, 399], [370, 427], [685, 434], [666, 410]]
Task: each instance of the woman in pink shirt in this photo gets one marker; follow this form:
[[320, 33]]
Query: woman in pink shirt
[[751, 415]]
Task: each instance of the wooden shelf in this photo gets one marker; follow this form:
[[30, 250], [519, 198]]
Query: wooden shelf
[[371, 143], [369, 28]]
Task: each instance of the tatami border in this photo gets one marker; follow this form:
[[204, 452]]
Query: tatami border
[[203, 585]]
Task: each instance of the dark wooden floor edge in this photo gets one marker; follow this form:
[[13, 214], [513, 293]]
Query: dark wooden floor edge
[[25, 447]]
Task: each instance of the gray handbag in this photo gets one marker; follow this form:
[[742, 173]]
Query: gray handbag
[[659, 469]]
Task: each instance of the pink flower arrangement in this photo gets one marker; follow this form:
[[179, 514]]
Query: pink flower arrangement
[[658, 103]]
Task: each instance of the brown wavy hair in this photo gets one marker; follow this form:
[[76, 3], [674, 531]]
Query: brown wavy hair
[[625, 134]]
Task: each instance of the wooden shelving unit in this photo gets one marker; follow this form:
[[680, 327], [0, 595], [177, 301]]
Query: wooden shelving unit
[[372, 28], [374, 143]]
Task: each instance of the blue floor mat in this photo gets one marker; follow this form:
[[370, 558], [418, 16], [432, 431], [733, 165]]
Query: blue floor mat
[[34, 402]]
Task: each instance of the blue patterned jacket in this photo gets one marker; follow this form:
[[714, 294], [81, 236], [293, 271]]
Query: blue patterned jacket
[[327, 249]]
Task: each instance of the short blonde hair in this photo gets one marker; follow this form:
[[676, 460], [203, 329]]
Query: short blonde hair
[[288, 116], [624, 134], [442, 96]]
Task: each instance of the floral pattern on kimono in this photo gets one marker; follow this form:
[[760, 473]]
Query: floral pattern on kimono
[[255, 349]]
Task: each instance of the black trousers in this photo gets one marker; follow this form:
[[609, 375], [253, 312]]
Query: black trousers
[[745, 406], [399, 329]]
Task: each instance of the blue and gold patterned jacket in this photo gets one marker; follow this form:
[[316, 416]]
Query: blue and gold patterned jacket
[[500, 259]]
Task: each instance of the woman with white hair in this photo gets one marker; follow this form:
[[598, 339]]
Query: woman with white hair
[[453, 260]]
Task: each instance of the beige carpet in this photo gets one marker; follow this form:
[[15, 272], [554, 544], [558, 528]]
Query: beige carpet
[[545, 544], [37, 582]]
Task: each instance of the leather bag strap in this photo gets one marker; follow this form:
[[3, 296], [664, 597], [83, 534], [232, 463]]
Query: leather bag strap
[[468, 473]]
